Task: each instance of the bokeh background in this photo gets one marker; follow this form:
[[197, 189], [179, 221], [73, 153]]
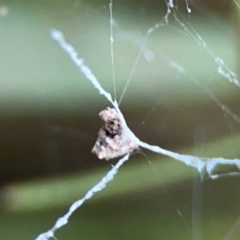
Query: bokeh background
[[49, 119]]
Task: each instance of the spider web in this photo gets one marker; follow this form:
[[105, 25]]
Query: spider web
[[151, 51]]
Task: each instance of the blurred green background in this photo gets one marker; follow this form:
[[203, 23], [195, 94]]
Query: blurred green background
[[49, 119]]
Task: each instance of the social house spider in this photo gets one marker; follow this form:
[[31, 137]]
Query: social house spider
[[112, 140]]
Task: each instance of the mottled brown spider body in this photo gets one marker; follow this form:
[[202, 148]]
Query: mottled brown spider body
[[112, 141]]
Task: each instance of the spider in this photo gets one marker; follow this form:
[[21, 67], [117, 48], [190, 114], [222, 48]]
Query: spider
[[112, 141]]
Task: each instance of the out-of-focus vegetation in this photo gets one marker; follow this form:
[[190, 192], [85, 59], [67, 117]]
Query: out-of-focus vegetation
[[49, 121]]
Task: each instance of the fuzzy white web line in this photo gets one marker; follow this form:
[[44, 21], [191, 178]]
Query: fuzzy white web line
[[97, 188], [222, 67], [211, 167]]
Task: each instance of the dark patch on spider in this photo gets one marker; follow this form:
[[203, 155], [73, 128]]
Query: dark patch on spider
[[112, 141]]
